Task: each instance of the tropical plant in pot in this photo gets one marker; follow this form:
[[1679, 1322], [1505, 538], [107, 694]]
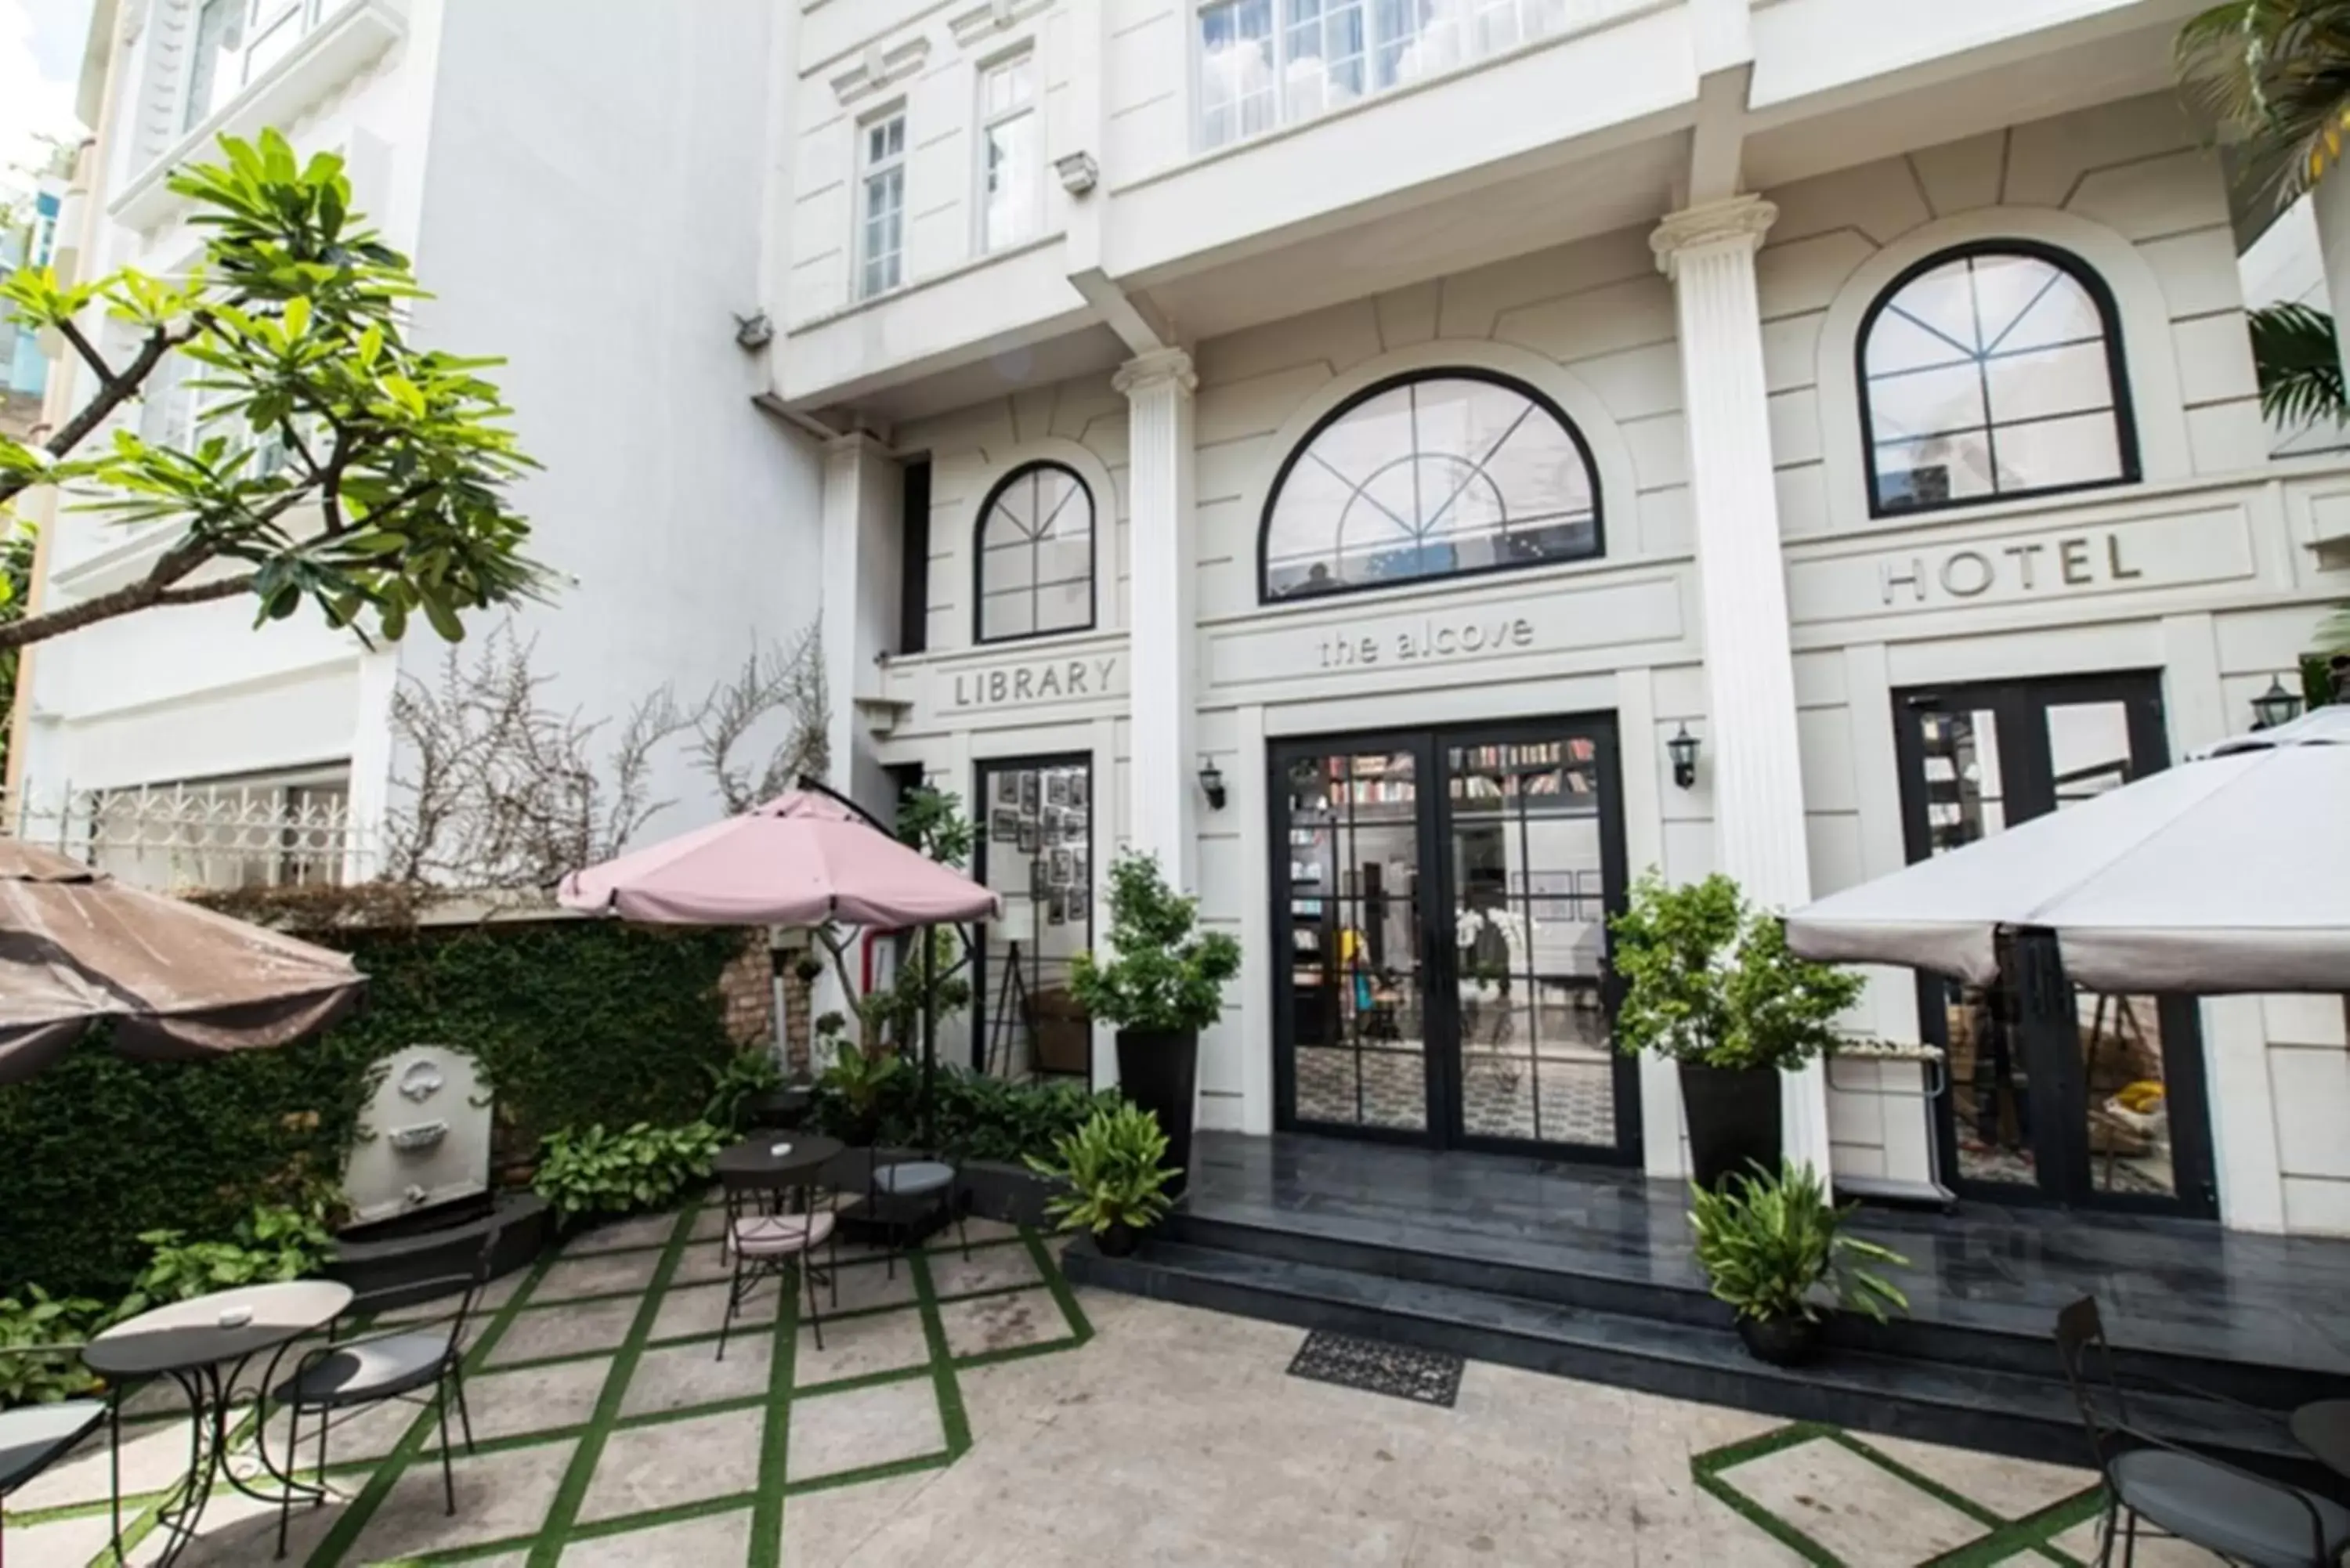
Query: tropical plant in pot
[[1709, 984], [1773, 1247], [1162, 983], [1115, 1171]]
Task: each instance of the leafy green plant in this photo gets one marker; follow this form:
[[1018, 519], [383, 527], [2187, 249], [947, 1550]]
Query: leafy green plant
[[333, 462], [860, 1080], [2276, 73], [1163, 974], [275, 1242], [893, 1014], [2298, 363], [1709, 979], [1768, 1243], [737, 1081], [1115, 1166], [972, 1115], [33, 1324], [601, 1172]]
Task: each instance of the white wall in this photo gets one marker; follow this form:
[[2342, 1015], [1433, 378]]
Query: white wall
[[590, 213]]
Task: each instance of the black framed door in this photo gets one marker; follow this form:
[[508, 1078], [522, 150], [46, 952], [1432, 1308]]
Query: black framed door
[[2084, 1098], [1440, 900], [1034, 821]]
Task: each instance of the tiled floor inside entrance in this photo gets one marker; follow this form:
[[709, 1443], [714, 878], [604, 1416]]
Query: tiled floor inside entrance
[[1564, 1093]]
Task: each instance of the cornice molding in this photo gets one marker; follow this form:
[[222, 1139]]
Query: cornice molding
[[879, 69], [973, 28]]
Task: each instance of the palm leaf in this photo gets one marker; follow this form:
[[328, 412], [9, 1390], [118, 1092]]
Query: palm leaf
[[2299, 364], [2275, 73]]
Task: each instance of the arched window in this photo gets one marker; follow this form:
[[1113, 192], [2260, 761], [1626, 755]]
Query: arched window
[[1035, 554], [1437, 474], [1994, 370]]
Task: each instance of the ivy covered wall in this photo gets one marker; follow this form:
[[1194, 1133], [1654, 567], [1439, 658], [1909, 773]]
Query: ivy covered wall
[[574, 1022]]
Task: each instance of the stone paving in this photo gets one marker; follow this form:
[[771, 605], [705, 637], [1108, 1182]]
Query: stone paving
[[974, 1414]]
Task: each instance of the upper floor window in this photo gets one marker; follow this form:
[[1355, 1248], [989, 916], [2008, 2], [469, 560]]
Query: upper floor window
[[1992, 372], [881, 227], [1264, 63], [1439, 474], [1011, 159], [236, 41], [1035, 554]]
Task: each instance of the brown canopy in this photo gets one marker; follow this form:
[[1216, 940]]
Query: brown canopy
[[178, 980]]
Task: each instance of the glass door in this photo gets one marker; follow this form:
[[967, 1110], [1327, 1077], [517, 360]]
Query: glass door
[[1441, 911], [2110, 1110]]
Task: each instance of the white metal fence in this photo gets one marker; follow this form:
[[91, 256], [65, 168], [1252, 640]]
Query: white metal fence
[[216, 836]]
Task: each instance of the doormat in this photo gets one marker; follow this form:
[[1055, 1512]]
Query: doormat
[[1427, 1377]]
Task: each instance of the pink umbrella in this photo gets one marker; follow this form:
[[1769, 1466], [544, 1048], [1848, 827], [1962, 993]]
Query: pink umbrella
[[798, 860]]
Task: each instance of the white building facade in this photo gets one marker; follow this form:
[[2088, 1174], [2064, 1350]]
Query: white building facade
[[1339, 446], [583, 196]]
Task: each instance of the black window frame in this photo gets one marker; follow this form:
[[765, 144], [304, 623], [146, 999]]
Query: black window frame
[[2124, 413], [1534, 395], [979, 557]]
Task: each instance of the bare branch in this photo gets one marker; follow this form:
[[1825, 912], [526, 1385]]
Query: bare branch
[[789, 680]]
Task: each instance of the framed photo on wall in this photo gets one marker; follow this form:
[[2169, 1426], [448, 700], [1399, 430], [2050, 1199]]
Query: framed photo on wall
[[1027, 839], [1056, 908], [1080, 902], [1003, 824], [1056, 789], [1062, 870], [1037, 887], [1029, 797], [1007, 789], [1080, 791]]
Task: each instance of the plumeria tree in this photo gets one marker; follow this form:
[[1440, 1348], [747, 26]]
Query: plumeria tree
[[330, 463]]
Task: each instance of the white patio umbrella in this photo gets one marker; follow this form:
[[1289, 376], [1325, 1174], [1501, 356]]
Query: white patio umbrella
[[2228, 873]]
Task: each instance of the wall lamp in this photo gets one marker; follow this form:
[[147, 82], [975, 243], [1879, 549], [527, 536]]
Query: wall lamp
[[1212, 783], [2275, 706], [1682, 748]]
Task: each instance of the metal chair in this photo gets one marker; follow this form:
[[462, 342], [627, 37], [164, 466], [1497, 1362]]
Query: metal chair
[[2243, 1517], [766, 1242], [400, 1361], [35, 1437], [902, 1192]]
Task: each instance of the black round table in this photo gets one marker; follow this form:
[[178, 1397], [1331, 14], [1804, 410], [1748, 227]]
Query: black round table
[[783, 1159], [2324, 1428], [204, 1345]]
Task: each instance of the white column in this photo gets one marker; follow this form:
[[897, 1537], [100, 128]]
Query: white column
[[861, 612], [1160, 630], [1758, 787], [2330, 204]]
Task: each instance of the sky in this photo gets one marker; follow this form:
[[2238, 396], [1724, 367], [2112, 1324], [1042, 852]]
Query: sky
[[40, 60]]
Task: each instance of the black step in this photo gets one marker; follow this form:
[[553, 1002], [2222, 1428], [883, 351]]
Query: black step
[[1986, 1407], [1637, 1282]]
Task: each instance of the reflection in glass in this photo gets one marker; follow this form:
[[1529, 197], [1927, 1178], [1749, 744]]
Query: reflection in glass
[[1530, 928], [1990, 374], [1354, 914], [1035, 820]]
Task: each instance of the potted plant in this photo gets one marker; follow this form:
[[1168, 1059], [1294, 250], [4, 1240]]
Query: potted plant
[[1162, 982], [1768, 1243], [1115, 1166], [1709, 983]]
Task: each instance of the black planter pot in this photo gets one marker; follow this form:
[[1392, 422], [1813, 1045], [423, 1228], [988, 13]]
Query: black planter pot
[[1781, 1341], [1116, 1240], [1733, 1117], [1158, 1070]]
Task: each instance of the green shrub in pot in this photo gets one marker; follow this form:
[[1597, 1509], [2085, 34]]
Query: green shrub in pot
[[1773, 1246], [1116, 1170]]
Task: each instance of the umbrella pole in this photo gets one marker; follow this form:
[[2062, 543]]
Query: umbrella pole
[[929, 1040]]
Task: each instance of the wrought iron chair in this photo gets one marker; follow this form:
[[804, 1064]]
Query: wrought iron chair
[[767, 1241], [2243, 1517], [900, 1194], [35, 1437], [421, 1361]]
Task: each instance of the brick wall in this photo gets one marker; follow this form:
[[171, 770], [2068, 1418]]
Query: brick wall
[[747, 986]]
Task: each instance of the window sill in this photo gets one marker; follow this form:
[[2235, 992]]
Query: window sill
[[346, 40], [868, 302]]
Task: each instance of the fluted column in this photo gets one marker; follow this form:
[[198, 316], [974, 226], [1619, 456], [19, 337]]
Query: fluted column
[[1750, 747], [1160, 618]]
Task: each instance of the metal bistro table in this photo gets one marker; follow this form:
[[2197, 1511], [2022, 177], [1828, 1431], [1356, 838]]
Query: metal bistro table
[[204, 1345], [785, 1158]]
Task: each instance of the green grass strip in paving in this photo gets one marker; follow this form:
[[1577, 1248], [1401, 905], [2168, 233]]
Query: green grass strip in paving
[[555, 1533], [2004, 1540], [1058, 1284], [952, 1414], [775, 1438]]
